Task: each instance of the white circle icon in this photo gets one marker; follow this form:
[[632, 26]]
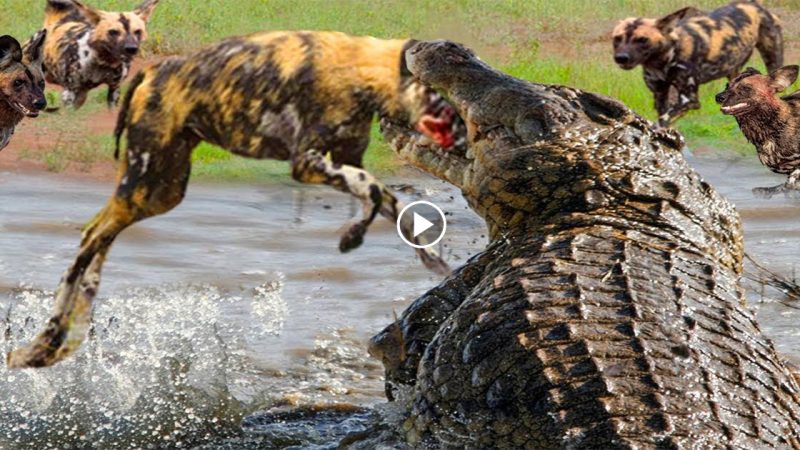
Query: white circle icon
[[420, 224]]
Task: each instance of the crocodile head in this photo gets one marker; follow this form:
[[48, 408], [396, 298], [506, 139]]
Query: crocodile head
[[553, 156]]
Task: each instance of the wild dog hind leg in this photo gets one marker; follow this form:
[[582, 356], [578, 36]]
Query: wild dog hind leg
[[153, 183], [112, 99], [314, 167], [770, 42]]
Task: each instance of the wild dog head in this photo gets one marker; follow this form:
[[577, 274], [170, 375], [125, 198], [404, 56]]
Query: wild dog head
[[430, 112], [638, 40], [751, 92], [21, 75], [117, 36]]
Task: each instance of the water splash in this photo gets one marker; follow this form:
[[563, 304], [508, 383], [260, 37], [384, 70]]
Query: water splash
[[164, 366]]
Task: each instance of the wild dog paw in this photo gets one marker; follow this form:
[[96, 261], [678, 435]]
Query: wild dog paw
[[353, 238], [769, 192]]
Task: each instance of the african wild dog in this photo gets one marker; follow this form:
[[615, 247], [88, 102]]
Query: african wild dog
[[294, 96], [87, 47], [769, 122], [21, 83], [687, 48]]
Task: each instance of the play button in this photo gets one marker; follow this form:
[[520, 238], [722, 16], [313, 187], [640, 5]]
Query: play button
[[421, 224]]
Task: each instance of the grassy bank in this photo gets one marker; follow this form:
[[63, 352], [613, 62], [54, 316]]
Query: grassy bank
[[564, 42]]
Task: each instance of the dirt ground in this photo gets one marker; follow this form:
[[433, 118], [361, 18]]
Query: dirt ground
[[37, 141]]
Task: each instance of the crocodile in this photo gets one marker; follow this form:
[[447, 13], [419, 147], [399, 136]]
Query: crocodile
[[606, 311]]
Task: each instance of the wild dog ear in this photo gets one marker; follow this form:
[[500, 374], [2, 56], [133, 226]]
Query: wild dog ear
[[784, 77], [90, 13], [146, 9], [10, 51], [34, 49], [668, 22]]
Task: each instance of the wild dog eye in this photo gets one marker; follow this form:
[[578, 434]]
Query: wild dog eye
[[41, 84], [138, 34], [19, 84], [113, 33], [641, 40], [617, 39]]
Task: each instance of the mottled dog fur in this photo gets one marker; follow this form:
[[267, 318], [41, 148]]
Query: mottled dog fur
[[21, 83], [87, 47], [305, 97], [687, 48], [769, 122]]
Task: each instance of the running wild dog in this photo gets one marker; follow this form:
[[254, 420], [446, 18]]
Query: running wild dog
[[87, 47], [21, 83], [687, 48], [769, 122], [304, 97]]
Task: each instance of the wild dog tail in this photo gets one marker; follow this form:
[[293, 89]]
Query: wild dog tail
[[122, 118]]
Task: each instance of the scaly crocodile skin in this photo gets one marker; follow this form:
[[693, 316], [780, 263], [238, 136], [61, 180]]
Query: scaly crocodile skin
[[606, 312]]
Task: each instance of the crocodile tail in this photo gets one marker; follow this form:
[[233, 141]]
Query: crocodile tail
[[122, 118]]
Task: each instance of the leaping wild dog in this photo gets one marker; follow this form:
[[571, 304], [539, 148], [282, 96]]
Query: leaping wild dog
[[769, 122], [21, 83], [87, 47], [687, 48], [295, 96]]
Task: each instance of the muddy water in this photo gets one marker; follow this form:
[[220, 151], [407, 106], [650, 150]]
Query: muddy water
[[238, 301]]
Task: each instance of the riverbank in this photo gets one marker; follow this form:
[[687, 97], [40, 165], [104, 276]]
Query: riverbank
[[563, 43]]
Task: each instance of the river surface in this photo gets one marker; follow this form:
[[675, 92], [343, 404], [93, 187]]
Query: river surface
[[238, 302]]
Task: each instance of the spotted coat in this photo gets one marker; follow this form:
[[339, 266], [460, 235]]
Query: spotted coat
[[87, 47], [685, 49], [305, 97]]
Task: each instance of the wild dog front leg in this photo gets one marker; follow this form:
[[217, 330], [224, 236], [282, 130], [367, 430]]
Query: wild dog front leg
[[794, 180], [113, 96], [313, 167], [73, 99], [792, 185], [390, 209]]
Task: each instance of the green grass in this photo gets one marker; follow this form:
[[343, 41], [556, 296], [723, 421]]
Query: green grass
[[546, 41], [181, 24]]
